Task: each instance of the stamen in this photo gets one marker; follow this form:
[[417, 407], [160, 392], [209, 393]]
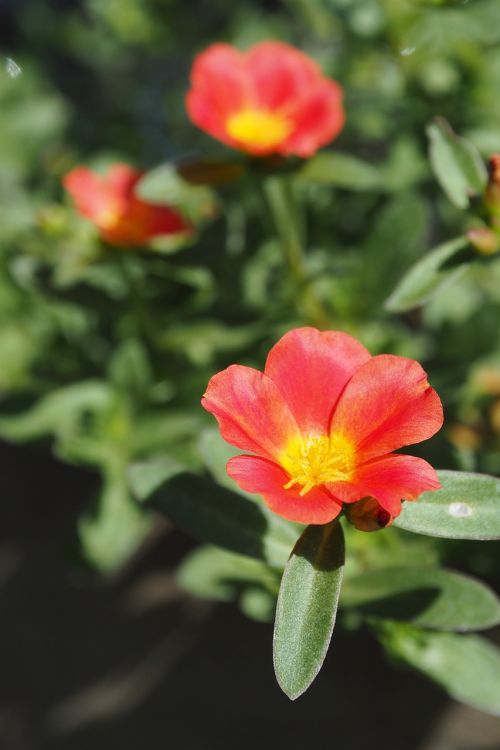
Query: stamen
[[317, 460]]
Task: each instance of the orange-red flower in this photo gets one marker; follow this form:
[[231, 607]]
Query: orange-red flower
[[110, 202], [322, 422], [272, 99]]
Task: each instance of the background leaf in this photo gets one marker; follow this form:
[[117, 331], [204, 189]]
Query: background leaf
[[466, 507], [427, 277], [428, 597], [341, 170], [466, 666], [456, 163], [227, 519]]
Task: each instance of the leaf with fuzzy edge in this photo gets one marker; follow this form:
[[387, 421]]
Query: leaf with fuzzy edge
[[307, 607], [466, 507]]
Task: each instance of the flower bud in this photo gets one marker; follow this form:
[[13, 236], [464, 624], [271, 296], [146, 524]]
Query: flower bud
[[486, 241], [492, 195], [368, 515]]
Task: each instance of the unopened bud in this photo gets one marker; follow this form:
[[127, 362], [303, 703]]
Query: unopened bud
[[486, 241], [492, 195], [368, 515]]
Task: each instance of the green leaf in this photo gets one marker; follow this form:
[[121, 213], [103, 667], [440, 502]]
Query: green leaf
[[214, 573], [342, 171], [466, 666], [216, 515], [466, 507], [163, 185], [428, 597], [456, 164], [59, 411], [427, 277], [114, 529], [307, 607]]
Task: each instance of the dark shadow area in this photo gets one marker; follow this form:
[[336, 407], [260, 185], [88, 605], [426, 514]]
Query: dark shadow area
[[130, 661]]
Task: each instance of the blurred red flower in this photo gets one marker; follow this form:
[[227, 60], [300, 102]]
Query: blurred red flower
[[272, 99], [322, 421], [110, 202]]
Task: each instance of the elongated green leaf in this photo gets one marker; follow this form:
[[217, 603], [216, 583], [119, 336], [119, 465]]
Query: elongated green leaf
[[428, 597], [466, 666], [307, 607], [427, 277], [466, 507], [456, 163], [216, 515], [342, 171]]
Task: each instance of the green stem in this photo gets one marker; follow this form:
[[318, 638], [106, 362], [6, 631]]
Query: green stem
[[284, 210]]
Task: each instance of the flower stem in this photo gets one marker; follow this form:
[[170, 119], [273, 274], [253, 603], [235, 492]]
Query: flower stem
[[285, 213]]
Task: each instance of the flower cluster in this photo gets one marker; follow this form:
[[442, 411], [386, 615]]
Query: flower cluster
[[322, 422]]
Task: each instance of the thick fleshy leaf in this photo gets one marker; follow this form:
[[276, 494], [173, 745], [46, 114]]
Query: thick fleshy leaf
[[341, 170], [254, 474], [251, 412], [311, 368], [456, 163], [389, 479], [307, 607], [427, 277], [466, 666], [427, 597], [216, 515], [387, 404], [466, 507]]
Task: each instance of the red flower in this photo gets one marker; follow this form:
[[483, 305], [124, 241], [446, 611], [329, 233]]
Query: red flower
[[272, 99], [110, 202], [322, 421]]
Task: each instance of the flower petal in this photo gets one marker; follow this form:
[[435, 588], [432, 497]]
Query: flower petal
[[279, 73], [311, 368], [254, 474], [318, 117], [143, 221], [220, 87], [389, 480], [87, 190], [121, 180], [388, 403], [251, 411]]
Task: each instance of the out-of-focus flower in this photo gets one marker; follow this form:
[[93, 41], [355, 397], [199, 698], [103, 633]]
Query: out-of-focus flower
[[110, 202], [322, 421], [272, 99], [463, 437]]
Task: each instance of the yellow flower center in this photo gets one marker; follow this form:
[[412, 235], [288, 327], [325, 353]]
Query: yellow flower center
[[318, 459], [110, 216], [259, 127]]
